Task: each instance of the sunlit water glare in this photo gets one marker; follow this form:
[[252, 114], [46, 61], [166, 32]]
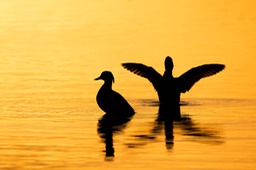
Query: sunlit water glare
[[51, 51]]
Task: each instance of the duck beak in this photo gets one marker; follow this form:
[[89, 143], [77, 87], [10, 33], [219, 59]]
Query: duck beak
[[98, 78]]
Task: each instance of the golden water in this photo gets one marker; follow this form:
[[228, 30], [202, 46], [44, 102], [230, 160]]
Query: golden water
[[52, 50]]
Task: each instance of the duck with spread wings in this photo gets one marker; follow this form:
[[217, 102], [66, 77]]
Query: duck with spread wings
[[168, 87]]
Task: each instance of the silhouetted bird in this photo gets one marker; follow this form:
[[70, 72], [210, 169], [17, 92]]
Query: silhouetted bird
[[168, 87], [110, 101]]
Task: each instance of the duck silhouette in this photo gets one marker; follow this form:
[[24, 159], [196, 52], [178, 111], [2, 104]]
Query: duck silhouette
[[169, 87], [110, 101]]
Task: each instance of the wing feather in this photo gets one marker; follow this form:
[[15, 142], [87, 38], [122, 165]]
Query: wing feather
[[189, 78], [145, 71]]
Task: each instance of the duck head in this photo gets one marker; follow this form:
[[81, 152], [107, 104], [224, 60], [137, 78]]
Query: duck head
[[168, 63], [107, 76]]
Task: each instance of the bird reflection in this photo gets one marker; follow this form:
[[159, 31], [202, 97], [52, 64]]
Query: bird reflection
[[109, 125], [188, 126], [166, 120]]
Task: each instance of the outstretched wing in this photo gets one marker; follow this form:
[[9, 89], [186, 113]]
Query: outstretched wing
[[189, 78], [144, 71]]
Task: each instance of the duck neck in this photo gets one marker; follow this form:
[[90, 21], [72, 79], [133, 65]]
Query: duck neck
[[168, 73], [107, 84]]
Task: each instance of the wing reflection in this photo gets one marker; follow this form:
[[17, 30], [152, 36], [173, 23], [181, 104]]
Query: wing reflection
[[163, 125]]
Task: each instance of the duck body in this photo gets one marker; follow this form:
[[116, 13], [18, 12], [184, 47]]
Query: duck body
[[168, 87], [169, 98], [112, 102], [109, 100]]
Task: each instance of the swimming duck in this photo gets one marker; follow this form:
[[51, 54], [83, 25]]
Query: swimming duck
[[110, 101], [169, 87]]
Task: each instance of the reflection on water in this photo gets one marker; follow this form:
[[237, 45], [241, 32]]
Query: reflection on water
[[186, 124], [111, 124]]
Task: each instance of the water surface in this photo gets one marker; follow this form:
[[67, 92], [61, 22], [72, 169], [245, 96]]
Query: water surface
[[52, 50]]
